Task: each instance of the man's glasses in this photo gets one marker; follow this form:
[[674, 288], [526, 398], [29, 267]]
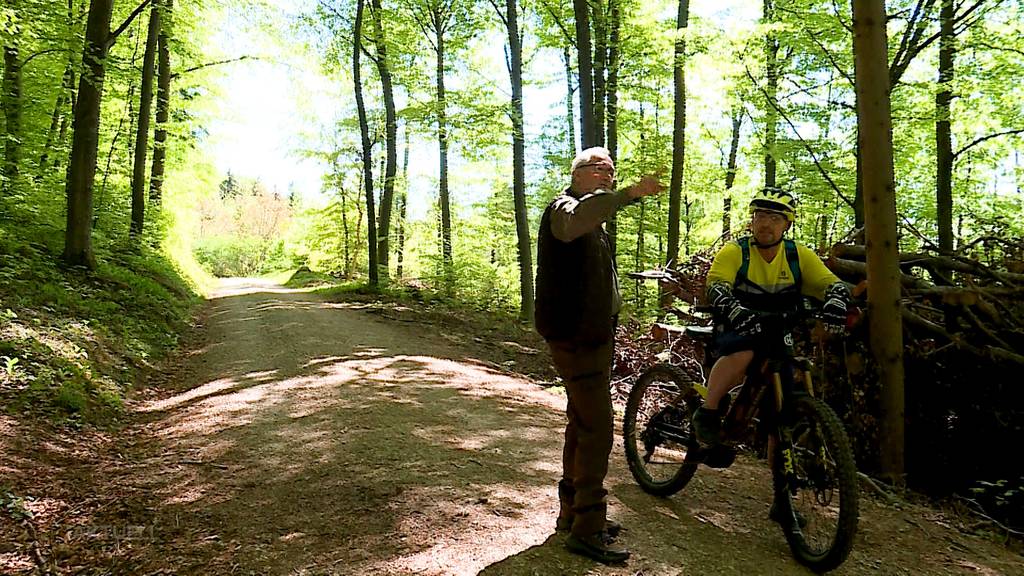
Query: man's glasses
[[600, 167], [773, 217]]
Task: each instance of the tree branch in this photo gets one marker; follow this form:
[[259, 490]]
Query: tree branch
[[37, 54], [831, 58], [807, 146], [1000, 48], [124, 25], [984, 139], [570, 38], [217, 63], [501, 15], [332, 10], [910, 43]]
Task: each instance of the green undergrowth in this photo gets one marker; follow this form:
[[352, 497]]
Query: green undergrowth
[[73, 341], [414, 294], [494, 334]]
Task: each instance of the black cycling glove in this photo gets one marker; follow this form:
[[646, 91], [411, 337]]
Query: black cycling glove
[[742, 319], [833, 312]]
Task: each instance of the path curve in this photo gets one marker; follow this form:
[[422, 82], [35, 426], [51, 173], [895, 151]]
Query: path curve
[[305, 436]]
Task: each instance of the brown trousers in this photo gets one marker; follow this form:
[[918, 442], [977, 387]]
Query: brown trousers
[[586, 372]]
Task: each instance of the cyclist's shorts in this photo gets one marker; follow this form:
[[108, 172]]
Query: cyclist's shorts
[[729, 342]]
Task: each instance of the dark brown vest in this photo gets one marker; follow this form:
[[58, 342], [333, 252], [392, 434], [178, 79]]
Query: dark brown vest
[[575, 285]]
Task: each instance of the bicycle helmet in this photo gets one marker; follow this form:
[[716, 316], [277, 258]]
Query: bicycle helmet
[[774, 199]]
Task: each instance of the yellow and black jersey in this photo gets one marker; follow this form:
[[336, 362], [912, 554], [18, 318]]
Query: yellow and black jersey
[[794, 270]]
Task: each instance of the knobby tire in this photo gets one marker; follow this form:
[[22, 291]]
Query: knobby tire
[[639, 400], [814, 417]]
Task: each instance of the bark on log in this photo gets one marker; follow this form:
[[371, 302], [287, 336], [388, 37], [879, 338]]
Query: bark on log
[[925, 260]]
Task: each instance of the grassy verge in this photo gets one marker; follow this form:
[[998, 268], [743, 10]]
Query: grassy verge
[[73, 341]]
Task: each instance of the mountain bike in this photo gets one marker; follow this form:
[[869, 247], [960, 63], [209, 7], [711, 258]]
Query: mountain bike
[[814, 475]]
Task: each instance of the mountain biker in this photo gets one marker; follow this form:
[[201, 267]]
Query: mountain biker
[[576, 307], [762, 272]]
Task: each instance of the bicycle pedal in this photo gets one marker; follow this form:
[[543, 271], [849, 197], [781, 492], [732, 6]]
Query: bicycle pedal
[[721, 456]]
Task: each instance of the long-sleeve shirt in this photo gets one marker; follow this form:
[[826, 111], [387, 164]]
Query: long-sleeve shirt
[[572, 217]]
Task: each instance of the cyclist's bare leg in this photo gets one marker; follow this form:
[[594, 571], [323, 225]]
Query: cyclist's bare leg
[[727, 372]]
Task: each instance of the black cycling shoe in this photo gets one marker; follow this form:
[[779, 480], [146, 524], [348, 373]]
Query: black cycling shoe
[[564, 523], [707, 427], [776, 514], [598, 546]]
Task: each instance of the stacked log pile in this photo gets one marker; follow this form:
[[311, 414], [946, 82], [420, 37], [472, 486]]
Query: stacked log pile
[[953, 300]]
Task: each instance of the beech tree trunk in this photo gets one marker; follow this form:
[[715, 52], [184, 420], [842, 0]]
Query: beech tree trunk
[[612, 108], [12, 113], [402, 202], [943, 134], [588, 127], [600, 68], [442, 143], [678, 134], [55, 122], [570, 116], [82, 164], [391, 140], [364, 133], [163, 104], [142, 128], [730, 174], [519, 162], [874, 116], [771, 114]]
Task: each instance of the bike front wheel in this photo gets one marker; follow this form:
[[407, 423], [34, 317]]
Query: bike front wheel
[[816, 487], [656, 429]]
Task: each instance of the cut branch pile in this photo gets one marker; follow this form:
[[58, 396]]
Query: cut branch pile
[[954, 300]]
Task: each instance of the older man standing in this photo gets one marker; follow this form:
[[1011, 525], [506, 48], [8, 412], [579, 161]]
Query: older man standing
[[577, 305]]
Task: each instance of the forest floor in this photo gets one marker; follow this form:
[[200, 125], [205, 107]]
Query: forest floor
[[299, 435]]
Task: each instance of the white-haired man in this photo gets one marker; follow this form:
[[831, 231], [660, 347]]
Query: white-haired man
[[576, 309]]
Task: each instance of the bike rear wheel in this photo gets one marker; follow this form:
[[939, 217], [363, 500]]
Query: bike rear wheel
[[656, 429], [821, 490]]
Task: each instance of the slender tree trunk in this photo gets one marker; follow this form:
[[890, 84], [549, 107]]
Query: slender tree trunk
[[391, 140], [364, 133], [730, 173], [442, 141], [570, 116], [402, 203], [346, 240], [142, 129], [360, 208], [771, 115], [858, 193], [519, 162], [129, 116], [56, 120], [12, 112], [612, 109], [82, 169], [678, 133], [943, 134], [163, 104], [588, 126], [600, 67], [65, 121], [638, 257], [874, 116]]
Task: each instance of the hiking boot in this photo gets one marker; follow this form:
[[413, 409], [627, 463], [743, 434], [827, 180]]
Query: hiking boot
[[564, 523], [777, 514], [707, 427], [598, 546]]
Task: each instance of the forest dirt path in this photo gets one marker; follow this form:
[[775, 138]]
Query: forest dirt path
[[301, 436]]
